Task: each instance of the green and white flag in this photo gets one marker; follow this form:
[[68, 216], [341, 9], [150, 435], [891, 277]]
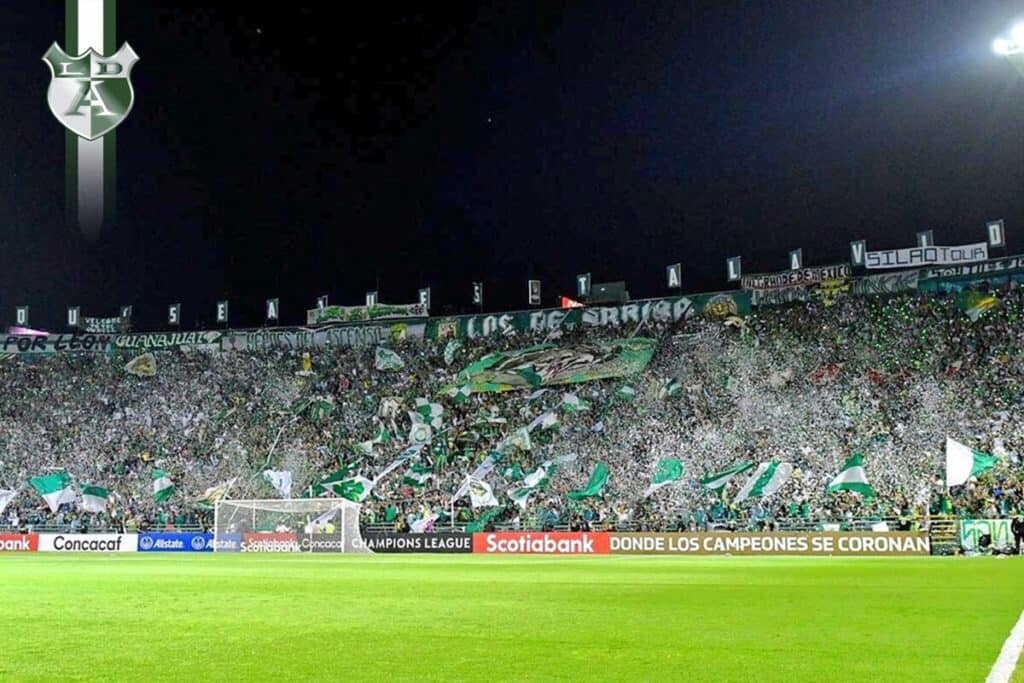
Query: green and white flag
[[534, 481], [383, 436], [210, 496], [594, 487], [54, 488], [320, 408], [430, 413], [163, 487], [852, 478], [417, 475], [326, 485], [94, 499], [668, 470], [281, 480], [518, 439], [539, 477], [766, 480], [974, 304], [420, 434], [548, 420], [521, 496], [670, 388], [626, 392], [355, 489], [450, 349], [406, 455], [462, 393], [387, 360], [962, 463], [481, 495], [571, 403], [6, 496], [717, 480]]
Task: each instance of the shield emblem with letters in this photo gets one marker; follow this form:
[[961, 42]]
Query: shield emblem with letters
[[90, 94]]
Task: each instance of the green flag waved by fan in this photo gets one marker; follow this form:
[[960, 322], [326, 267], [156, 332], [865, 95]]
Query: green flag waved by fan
[[387, 360], [668, 470], [163, 487], [962, 463], [717, 480], [852, 478], [598, 479], [54, 488], [974, 304]]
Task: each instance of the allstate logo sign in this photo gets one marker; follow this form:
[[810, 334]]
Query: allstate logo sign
[[171, 542]]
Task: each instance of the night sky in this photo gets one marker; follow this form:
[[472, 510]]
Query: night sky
[[282, 152]]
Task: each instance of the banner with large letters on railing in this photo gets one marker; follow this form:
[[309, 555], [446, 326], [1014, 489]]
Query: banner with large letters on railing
[[999, 532]]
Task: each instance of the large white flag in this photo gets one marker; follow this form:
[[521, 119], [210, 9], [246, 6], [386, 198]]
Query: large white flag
[[281, 480], [481, 495], [6, 496], [962, 463]]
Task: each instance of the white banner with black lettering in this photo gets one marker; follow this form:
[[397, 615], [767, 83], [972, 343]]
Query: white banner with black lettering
[[914, 257], [88, 543]]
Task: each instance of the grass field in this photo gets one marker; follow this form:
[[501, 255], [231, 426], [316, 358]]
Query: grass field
[[416, 618]]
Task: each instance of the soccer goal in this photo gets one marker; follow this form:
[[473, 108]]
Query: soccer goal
[[306, 525]]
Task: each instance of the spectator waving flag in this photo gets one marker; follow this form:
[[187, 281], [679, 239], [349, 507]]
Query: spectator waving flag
[[387, 360], [6, 496], [667, 471], [163, 487], [142, 366], [962, 463], [55, 489], [481, 495], [595, 485], [766, 480], [717, 480], [281, 480], [355, 489], [94, 498], [852, 478]]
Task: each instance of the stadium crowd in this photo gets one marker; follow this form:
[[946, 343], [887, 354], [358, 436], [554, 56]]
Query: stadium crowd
[[889, 377]]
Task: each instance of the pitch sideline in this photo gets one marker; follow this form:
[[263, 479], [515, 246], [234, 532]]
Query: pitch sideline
[[1005, 664]]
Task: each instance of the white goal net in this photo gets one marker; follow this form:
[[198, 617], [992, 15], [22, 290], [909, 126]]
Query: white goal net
[[328, 525]]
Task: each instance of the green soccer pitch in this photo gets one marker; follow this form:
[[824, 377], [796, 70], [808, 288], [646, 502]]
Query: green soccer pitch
[[382, 618]]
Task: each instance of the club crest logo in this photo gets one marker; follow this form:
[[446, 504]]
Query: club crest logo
[[90, 94]]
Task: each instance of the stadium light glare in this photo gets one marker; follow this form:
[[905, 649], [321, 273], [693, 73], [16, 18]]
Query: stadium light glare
[[1002, 46], [1017, 33]]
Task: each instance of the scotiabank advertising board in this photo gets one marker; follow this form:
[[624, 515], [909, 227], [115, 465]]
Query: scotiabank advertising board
[[88, 543], [775, 543], [541, 543], [270, 543], [15, 543]]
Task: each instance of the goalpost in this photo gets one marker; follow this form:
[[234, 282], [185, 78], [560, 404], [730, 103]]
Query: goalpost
[[326, 525]]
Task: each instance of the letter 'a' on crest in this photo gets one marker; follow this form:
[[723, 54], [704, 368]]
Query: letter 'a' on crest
[[90, 94]]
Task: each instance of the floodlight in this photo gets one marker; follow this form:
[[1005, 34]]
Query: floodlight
[[1001, 46]]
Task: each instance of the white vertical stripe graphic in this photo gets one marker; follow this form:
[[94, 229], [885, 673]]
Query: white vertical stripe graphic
[[1007, 660], [90, 25], [90, 152]]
